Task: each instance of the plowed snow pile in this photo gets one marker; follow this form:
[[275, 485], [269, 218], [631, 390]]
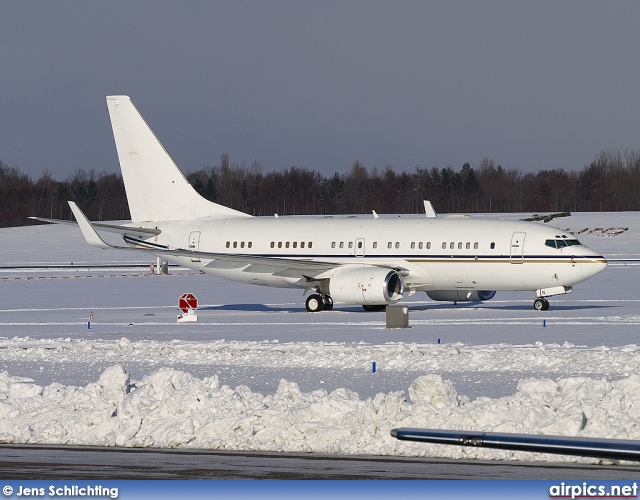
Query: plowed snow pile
[[171, 408]]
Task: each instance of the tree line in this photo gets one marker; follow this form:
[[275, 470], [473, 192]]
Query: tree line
[[610, 183]]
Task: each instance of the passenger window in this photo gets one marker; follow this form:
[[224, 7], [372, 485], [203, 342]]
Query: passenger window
[[375, 244], [242, 244], [342, 244], [397, 244], [333, 244], [420, 245], [250, 244], [310, 244], [493, 246], [468, 245], [359, 244], [444, 245], [413, 244], [460, 246], [228, 244], [452, 245], [235, 244], [475, 245], [351, 244], [279, 244], [295, 244], [428, 245], [389, 245], [302, 244], [273, 244]]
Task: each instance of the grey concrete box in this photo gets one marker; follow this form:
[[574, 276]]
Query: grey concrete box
[[397, 316]]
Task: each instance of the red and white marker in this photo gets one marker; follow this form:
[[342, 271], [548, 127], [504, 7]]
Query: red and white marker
[[188, 301]]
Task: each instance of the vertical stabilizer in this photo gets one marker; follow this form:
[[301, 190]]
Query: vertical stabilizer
[[156, 188]]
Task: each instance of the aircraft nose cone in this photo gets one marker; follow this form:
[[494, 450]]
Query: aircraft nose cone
[[593, 266]]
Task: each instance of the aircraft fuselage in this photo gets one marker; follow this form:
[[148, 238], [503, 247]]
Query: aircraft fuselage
[[436, 253]]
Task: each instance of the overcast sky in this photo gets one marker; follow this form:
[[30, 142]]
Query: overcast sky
[[317, 84]]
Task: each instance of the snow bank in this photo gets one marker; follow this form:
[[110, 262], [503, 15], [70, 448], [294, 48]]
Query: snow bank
[[559, 359], [171, 408]]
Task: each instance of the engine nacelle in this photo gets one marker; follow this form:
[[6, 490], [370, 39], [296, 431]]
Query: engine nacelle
[[367, 285], [461, 295]]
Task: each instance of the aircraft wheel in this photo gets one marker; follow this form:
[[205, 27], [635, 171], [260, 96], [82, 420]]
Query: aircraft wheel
[[328, 302], [315, 303], [541, 304], [373, 308]]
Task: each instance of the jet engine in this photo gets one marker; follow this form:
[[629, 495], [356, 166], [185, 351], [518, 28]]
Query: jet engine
[[366, 285], [461, 295]]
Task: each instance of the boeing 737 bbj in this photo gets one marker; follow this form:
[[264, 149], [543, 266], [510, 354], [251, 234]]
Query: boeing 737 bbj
[[371, 261]]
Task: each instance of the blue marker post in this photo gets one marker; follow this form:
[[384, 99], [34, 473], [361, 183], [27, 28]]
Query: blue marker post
[[88, 325], [373, 367], [544, 323], [438, 341]]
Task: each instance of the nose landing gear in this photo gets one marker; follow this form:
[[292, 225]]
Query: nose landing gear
[[541, 304]]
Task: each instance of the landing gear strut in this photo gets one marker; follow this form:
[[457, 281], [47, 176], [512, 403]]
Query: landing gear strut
[[319, 302], [541, 304]]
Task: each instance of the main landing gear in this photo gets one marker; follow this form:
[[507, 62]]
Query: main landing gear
[[541, 304], [319, 302]]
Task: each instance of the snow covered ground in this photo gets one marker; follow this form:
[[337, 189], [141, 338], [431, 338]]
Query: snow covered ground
[[257, 372]]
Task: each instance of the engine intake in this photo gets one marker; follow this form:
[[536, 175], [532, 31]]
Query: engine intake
[[461, 295], [366, 285]]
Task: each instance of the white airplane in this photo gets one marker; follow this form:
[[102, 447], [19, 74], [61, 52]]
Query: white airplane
[[370, 261]]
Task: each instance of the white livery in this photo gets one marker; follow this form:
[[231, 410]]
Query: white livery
[[371, 261]]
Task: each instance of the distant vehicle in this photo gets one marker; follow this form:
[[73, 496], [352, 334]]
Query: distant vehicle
[[371, 261]]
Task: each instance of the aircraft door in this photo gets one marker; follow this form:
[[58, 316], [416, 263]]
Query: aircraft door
[[194, 244], [360, 247], [517, 248]]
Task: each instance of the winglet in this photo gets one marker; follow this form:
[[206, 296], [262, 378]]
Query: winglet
[[88, 231], [428, 209]]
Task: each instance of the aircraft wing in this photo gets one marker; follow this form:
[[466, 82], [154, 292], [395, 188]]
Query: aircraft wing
[[615, 449], [112, 228], [277, 265]]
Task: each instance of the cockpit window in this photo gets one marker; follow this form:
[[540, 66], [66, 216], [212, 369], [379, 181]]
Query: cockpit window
[[561, 243]]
